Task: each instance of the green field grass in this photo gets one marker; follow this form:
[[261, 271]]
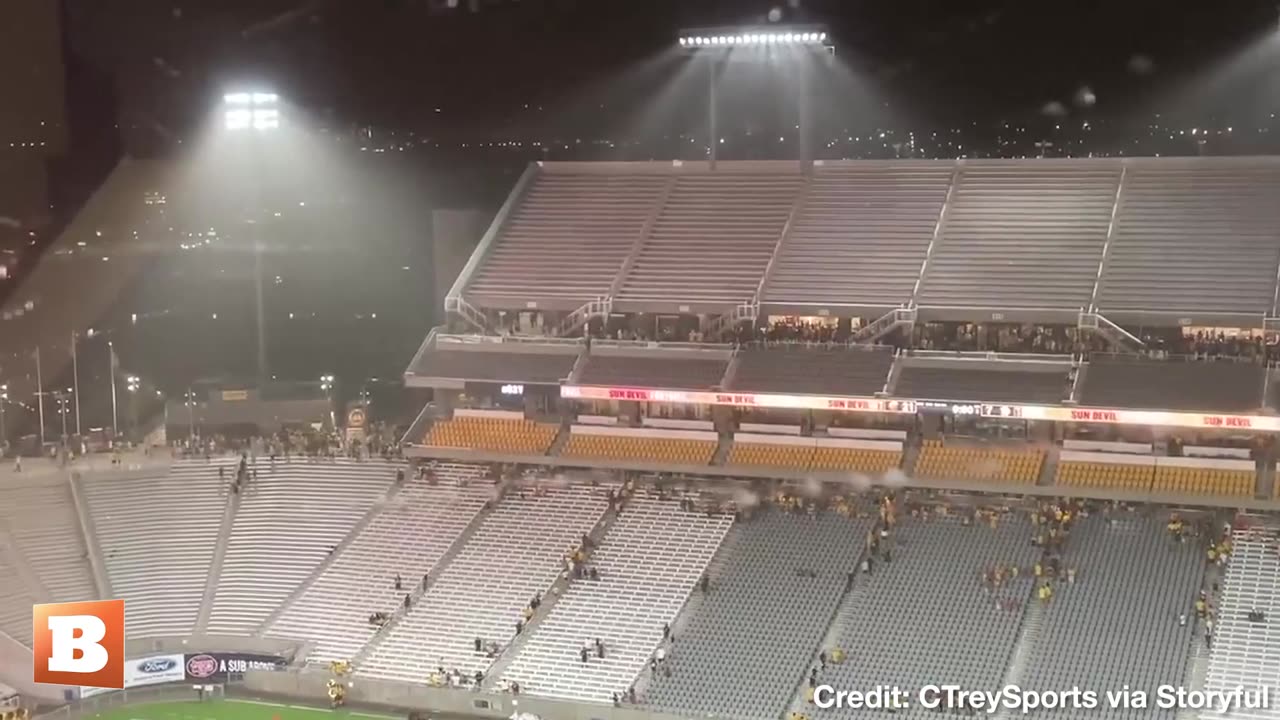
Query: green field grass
[[228, 710]]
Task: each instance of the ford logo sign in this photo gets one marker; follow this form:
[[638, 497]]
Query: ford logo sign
[[156, 665], [202, 666]]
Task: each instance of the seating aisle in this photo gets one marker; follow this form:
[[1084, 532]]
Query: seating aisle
[[157, 536], [1244, 652], [517, 551], [649, 561], [271, 551], [16, 600], [41, 517], [407, 538], [1118, 623], [923, 617], [742, 649]]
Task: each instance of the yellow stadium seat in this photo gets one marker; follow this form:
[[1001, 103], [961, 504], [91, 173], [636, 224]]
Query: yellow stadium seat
[[770, 455], [1206, 481], [1117, 476], [522, 437], [640, 449], [948, 462], [833, 459]]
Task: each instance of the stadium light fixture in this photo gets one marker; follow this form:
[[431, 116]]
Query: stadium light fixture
[[251, 111], [728, 38]]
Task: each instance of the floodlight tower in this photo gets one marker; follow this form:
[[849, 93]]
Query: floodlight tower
[[775, 41], [254, 114]]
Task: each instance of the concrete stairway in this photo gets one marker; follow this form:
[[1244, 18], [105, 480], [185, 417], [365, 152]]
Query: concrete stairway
[[1028, 637], [1049, 469], [215, 565], [549, 600], [420, 588], [337, 552], [839, 626]]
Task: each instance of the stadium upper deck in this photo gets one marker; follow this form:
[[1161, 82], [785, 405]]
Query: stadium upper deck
[[1154, 241]]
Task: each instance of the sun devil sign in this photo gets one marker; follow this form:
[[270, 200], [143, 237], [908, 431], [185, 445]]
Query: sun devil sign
[[80, 643]]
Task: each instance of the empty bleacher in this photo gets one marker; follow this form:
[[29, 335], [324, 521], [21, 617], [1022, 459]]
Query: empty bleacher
[[1194, 236], [760, 454], [650, 446], [742, 646], [493, 433], [16, 599], [494, 366], [1117, 624], [406, 539], [568, 239], [861, 236], [713, 238], [1124, 382], [861, 460], [822, 454], [517, 551], [1244, 652], [1110, 475], [41, 519], [649, 561], [799, 369], [923, 616], [1004, 464], [1234, 481], [157, 535], [1022, 235], [658, 370], [270, 552], [1018, 382]]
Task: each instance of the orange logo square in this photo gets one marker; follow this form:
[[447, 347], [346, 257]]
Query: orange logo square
[[79, 643]]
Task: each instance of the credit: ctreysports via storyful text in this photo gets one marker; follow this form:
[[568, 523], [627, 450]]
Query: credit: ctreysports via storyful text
[[1012, 698]]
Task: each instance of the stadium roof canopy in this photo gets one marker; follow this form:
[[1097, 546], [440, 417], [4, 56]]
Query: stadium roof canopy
[[1155, 241]]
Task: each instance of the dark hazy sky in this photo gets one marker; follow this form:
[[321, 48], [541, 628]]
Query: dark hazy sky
[[397, 61]]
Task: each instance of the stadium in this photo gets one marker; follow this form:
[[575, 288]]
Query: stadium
[[729, 440], [715, 521]]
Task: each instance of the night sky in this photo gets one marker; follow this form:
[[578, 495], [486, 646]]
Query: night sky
[[412, 64]]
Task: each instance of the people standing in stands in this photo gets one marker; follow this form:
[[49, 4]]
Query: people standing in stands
[[705, 583], [407, 601], [479, 643], [519, 626], [822, 660], [582, 654], [399, 583], [666, 630], [631, 694], [426, 577], [599, 649]]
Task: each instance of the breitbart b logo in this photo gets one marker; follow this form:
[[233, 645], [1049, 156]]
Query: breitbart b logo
[[80, 643]]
